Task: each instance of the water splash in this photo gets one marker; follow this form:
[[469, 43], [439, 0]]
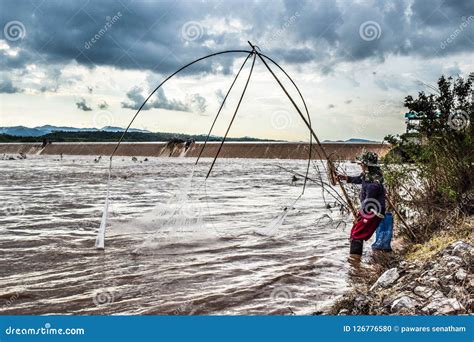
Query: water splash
[[179, 219], [100, 240]]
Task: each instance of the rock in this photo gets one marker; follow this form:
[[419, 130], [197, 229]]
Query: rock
[[452, 261], [461, 249], [404, 283], [386, 279], [443, 306], [448, 277], [343, 312], [427, 292], [471, 281], [403, 302], [461, 274], [361, 301], [428, 273], [432, 281], [457, 292], [403, 264]]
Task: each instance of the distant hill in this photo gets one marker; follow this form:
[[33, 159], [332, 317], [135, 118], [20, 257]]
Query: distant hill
[[22, 131], [113, 135]]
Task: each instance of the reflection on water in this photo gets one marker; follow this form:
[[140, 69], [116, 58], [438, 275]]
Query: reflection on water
[[175, 244]]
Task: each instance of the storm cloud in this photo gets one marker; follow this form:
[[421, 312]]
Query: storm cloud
[[161, 36], [103, 105], [136, 97], [7, 87], [82, 105]]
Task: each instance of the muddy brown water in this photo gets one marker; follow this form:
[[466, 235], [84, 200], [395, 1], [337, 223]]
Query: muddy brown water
[[175, 244]]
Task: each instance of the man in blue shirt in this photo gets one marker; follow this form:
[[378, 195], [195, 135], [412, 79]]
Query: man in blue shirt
[[372, 199]]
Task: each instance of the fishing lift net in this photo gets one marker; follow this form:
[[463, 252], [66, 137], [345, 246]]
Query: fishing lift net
[[183, 208]]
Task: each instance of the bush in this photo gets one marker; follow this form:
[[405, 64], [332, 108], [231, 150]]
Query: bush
[[429, 171]]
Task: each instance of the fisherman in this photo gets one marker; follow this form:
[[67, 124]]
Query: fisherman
[[372, 199]]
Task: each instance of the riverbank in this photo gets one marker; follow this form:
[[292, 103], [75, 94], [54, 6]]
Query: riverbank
[[263, 150], [433, 278]]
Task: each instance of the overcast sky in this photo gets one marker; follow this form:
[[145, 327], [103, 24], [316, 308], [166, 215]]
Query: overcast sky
[[92, 63]]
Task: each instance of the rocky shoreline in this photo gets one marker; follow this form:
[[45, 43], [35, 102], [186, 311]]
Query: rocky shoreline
[[440, 285]]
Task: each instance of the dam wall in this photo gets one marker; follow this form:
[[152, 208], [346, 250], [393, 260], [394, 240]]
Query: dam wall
[[15, 148], [266, 150]]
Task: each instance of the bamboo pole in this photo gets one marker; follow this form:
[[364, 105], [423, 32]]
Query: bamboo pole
[[330, 163], [400, 216]]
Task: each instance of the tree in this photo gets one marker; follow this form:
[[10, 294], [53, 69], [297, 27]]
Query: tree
[[439, 152]]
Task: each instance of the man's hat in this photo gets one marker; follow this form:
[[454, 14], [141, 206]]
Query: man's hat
[[368, 158]]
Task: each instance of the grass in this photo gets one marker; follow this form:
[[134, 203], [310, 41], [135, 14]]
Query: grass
[[346, 302], [440, 241]]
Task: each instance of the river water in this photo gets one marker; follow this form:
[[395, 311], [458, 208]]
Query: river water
[[175, 245]]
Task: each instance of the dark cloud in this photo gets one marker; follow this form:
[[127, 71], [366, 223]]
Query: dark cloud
[[331, 106], [162, 36], [136, 97], [82, 105], [7, 87], [348, 101], [103, 105], [145, 36]]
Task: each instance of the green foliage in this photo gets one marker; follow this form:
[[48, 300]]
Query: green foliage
[[432, 166], [103, 136]]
